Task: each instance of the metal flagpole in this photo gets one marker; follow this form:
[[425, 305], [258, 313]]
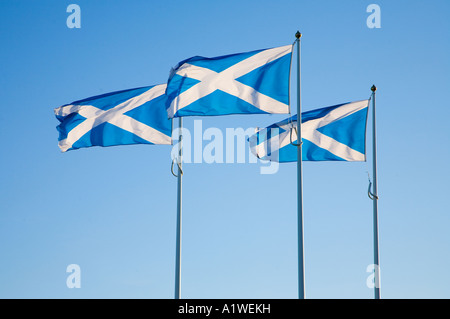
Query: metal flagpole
[[301, 266], [376, 256], [178, 243]]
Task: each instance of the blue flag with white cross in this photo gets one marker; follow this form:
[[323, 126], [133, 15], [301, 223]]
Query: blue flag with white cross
[[334, 133], [255, 82], [134, 116]]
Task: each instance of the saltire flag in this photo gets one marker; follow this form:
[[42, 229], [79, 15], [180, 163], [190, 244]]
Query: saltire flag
[[134, 116], [244, 83], [334, 133]]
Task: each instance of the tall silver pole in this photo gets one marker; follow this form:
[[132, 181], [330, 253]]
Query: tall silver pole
[[376, 256], [301, 266], [178, 243]]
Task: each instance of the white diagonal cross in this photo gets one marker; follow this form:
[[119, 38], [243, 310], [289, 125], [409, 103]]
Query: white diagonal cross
[[95, 117], [225, 81], [310, 132]]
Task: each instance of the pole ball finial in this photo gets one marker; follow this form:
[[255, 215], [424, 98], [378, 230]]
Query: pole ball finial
[[373, 88], [298, 35]]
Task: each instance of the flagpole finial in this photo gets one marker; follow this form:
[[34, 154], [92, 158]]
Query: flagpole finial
[[298, 35], [373, 88]]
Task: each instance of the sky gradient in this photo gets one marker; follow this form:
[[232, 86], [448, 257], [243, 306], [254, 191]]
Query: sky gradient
[[112, 211]]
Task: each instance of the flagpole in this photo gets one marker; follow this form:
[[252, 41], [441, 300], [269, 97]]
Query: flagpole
[[178, 239], [301, 266], [376, 255]]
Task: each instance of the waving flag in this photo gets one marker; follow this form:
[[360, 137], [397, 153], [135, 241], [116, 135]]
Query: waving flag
[[243, 83], [135, 116], [334, 133]]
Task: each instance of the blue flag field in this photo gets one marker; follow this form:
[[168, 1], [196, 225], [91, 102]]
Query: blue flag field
[[334, 133], [245, 83], [135, 116]]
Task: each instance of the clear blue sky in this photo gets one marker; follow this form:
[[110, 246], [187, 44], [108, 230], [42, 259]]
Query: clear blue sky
[[112, 210]]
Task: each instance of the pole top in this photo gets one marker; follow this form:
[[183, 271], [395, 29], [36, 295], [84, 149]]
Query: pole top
[[298, 35], [373, 88]]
